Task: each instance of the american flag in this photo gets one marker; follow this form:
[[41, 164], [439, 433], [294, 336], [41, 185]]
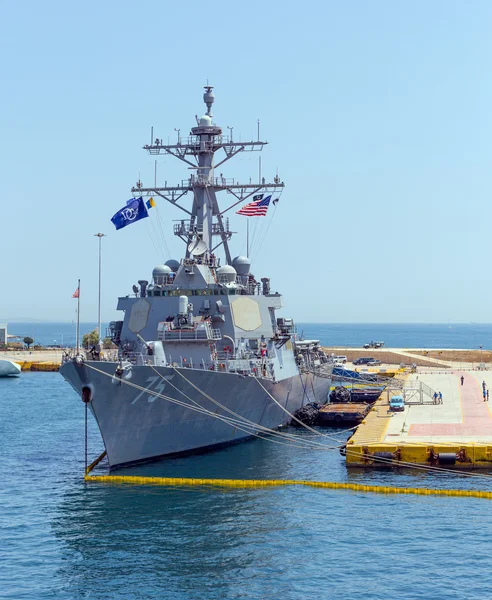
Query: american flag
[[76, 294], [258, 208]]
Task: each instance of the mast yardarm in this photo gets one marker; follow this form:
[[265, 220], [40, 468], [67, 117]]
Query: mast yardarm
[[205, 222]]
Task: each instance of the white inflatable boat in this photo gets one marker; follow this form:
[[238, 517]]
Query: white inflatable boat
[[9, 367]]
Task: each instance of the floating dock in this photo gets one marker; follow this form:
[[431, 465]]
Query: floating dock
[[351, 412], [456, 433]]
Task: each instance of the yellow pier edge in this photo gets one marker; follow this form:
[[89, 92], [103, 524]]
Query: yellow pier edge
[[468, 455], [366, 447]]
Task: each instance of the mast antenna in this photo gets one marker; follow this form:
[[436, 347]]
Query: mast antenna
[[208, 98]]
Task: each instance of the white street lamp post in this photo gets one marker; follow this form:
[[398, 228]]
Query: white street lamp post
[[100, 236]]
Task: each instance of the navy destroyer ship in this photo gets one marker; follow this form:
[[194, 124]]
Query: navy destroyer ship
[[203, 359]]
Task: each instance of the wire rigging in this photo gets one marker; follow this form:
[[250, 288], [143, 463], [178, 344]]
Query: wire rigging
[[243, 425]]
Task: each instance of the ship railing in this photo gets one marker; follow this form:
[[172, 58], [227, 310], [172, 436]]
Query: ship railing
[[243, 366], [223, 181], [205, 180], [217, 230], [211, 262], [163, 280], [186, 227], [198, 334], [246, 366], [224, 355], [250, 287], [192, 142], [138, 359], [253, 356]]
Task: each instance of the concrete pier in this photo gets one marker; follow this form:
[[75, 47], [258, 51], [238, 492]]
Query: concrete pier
[[430, 433]]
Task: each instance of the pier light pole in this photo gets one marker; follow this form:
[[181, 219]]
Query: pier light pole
[[100, 236]]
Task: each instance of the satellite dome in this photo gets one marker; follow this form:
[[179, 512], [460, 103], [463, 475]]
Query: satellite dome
[[161, 270], [226, 274], [173, 264], [242, 265], [205, 121], [160, 274]]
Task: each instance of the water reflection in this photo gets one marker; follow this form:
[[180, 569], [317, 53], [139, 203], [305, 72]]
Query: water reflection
[[180, 537], [131, 541]]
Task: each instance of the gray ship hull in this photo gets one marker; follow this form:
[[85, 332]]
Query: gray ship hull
[[139, 426]]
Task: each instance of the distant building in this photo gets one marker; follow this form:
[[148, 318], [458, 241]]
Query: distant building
[[3, 333]]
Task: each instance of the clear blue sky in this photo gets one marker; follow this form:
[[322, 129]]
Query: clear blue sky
[[378, 116]]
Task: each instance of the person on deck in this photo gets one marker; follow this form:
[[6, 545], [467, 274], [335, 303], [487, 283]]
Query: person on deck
[[462, 379]]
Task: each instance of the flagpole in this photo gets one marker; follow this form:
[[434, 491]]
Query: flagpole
[[78, 318], [247, 238]]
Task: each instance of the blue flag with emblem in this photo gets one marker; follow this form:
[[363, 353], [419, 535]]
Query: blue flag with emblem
[[131, 213]]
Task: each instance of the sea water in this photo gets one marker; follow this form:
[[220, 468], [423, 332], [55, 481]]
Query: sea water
[[63, 538], [401, 335]]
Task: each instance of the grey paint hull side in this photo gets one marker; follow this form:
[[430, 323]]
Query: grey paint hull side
[[138, 426]]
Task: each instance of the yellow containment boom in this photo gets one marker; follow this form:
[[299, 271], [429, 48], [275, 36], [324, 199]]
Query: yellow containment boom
[[243, 483]]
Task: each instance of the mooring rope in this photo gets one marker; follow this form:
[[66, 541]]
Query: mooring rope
[[256, 424], [247, 422], [228, 420], [238, 424]]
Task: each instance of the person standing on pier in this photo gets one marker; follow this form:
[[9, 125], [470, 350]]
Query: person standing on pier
[[487, 395], [462, 379]]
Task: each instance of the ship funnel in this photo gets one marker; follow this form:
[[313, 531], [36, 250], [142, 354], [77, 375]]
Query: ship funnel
[[208, 98], [143, 287]]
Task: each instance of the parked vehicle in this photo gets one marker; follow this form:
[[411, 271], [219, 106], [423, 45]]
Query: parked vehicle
[[397, 403], [364, 360], [374, 345], [340, 360], [374, 362]]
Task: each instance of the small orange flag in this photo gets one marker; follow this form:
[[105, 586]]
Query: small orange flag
[[76, 293]]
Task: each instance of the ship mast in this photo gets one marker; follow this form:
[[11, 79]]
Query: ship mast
[[206, 221]]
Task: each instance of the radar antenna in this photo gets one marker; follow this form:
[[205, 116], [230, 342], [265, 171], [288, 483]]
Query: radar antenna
[[206, 220]]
